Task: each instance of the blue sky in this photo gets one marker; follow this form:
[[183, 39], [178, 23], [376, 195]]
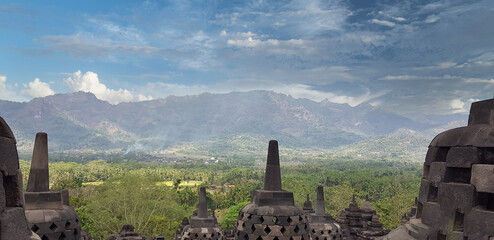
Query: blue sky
[[406, 56]]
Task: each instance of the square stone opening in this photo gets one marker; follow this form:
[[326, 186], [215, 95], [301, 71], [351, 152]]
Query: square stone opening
[[458, 225], [13, 191], [419, 210], [458, 175], [486, 200], [432, 196], [487, 156], [425, 172], [441, 236], [442, 153]]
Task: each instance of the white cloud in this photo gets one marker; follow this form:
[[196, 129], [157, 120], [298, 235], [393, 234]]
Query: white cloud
[[7, 92], [399, 19], [250, 42], [3, 80], [457, 106], [383, 22], [37, 88], [89, 82], [223, 33], [432, 19]]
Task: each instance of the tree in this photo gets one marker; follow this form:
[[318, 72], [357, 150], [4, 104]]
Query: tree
[[135, 199]]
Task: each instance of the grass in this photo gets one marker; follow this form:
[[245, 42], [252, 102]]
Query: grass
[[182, 184]]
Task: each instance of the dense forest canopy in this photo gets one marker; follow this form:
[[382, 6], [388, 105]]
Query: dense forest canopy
[[154, 197]]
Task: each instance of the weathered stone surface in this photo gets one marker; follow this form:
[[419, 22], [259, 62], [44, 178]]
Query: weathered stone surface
[[483, 177], [436, 154], [10, 160], [437, 173], [424, 191], [43, 200], [462, 157], [13, 190], [272, 178], [456, 196], [13, 224], [5, 130], [65, 197], [479, 223], [39, 177], [481, 113], [430, 214]]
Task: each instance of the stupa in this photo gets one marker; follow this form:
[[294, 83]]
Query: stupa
[[13, 223], [202, 226], [47, 211], [322, 226], [456, 198], [272, 214], [127, 233]]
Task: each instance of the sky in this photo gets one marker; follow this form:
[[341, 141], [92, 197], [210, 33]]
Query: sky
[[405, 56]]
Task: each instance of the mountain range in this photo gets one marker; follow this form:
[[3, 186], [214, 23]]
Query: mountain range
[[80, 121]]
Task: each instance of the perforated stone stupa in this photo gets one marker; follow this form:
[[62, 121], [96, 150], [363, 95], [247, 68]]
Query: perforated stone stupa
[[13, 224], [272, 215], [202, 226], [48, 212], [322, 226], [456, 199], [361, 223], [127, 233], [308, 206]]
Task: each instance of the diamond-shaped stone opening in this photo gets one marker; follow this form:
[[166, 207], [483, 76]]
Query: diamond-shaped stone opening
[[204, 235], [289, 220], [329, 231], [212, 235], [300, 218], [296, 229], [259, 238], [53, 226], [283, 230], [76, 220], [275, 238], [62, 236], [44, 237], [303, 238], [253, 228], [246, 237], [35, 228], [306, 226], [322, 232], [196, 235], [261, 219], [75, 231], [317, 238], [67, 225], [267, 230], [243, 224], [291, 238], [313, 231], [275, 219], [249, 216]]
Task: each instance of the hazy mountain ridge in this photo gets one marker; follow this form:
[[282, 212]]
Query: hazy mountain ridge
[[81, 121]]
